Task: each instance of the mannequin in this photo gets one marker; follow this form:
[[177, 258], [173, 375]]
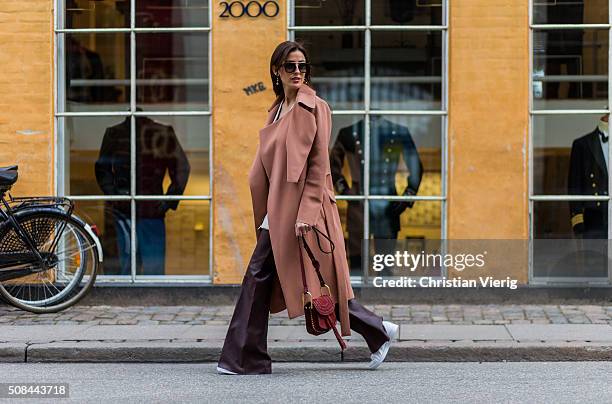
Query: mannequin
[[388, 141], [158, 152], [588, 175]]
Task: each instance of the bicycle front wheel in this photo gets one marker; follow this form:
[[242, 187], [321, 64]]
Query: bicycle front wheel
[[70, 255]]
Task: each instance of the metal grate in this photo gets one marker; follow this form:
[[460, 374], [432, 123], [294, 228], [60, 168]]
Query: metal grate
[[40, 229]]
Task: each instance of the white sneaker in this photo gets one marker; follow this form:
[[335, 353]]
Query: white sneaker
[[222, 371], [379, 356]]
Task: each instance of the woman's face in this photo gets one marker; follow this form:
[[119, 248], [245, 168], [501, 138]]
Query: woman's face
[[294, 79]]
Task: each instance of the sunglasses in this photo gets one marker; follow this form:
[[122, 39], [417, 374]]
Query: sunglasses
[[290, 67]]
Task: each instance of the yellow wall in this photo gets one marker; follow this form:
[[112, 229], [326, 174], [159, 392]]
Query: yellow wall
[[488, 126], [241, 50], [26, 93], [488, 118]]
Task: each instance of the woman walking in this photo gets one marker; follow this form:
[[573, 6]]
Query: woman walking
[[292, 193]]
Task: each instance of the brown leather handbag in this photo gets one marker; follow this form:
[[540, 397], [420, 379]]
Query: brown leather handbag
[[319, 311]]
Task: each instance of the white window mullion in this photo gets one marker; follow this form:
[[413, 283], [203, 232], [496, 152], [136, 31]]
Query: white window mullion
[[132, 140], [609, 107]]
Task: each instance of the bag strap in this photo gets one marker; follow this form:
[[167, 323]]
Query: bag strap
[[316, 265], [314, 261], [331, 243], [302, 269]]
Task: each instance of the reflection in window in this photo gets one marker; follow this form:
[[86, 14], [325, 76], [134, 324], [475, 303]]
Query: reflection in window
[[405, 160], [407, 12], [171, 152], [346, 162], [172, 237], [329, 12], [570, 12], [570, 68], [84, 136], [404, 155], [158, 152], [403, 151], [566, 246], [172, 71], [588, 175], [106, 218], [97, 72], [351, 217], [187, 239], [175, 242], [412, 226], [171, 13], [167, 147], [337, 66], [97, 14], [347, 156], [569, 154], [406, 70], [390, 144]]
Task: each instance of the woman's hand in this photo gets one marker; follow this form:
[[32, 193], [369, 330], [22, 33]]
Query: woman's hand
[[301, 228]]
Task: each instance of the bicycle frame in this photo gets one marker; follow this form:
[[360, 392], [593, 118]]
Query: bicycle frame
[[12, 265]]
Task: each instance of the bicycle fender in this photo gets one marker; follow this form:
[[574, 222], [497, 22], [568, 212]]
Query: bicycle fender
[[93, 236], [73, 216]]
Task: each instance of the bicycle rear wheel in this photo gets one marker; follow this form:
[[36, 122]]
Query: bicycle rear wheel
[[72, 261]]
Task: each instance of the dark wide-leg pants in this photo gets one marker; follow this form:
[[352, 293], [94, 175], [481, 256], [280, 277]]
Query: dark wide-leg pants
[[245, 347]]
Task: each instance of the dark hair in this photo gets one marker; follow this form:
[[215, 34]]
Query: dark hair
[[279, 56]]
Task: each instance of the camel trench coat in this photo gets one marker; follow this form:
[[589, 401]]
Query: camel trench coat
[[290, 180]]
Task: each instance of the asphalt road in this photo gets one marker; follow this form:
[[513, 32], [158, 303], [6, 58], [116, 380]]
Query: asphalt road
[[511, 382]]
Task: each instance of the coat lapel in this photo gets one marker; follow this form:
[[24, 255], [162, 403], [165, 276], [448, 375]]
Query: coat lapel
[[301, 130], [595, 147], [265, 140]]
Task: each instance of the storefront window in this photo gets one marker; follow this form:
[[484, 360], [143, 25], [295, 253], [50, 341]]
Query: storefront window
[[334, 12], [402, 12], [133, 115], [570, 68], [570, 12], [569, 142], [337, 67], [172, 71], [97, 72], [383, 73], [406, 70]]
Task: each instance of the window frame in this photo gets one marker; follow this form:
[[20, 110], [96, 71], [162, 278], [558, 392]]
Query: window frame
[[60, 155], [366, 112], [533, 113]]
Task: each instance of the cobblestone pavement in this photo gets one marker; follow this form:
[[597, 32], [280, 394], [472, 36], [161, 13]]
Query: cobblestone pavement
[[406, 314]]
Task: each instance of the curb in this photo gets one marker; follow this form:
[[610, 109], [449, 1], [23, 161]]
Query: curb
[[11, 352], [189, 352]]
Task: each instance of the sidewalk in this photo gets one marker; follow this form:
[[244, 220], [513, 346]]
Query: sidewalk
[[195, 334]]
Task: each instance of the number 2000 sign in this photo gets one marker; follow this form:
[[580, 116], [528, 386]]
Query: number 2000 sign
[[253, 8]]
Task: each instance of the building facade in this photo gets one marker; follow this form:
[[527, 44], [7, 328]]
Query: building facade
[[475, 122]]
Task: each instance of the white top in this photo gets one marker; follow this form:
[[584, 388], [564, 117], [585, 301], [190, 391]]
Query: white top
[[264, 224]]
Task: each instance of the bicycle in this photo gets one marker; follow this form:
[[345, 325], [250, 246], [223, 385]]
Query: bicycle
[[49, 257]]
